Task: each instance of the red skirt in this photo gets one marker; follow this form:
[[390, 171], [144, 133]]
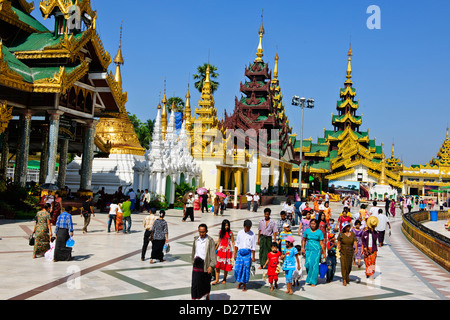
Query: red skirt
[[224, 258]]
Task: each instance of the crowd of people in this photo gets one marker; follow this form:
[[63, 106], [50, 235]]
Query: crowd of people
[[353, 240]]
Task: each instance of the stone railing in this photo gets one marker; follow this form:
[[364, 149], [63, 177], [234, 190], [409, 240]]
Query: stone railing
[[434, 245]]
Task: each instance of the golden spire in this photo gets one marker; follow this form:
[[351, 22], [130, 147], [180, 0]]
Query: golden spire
[[118, 60], [382, 180], [392, 150], [349, 67], [259, 51], [275, 69], [187, 111], [164, 114]]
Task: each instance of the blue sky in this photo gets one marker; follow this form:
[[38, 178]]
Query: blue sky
[[401, 71]]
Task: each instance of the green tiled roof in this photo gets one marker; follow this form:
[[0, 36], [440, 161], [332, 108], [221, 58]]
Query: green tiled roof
[[29, 20]]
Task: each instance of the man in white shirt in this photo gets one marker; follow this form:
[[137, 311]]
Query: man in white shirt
[[249, 201], [374, 210], [146, 200], [383, 222], [255, 202], [244, 255], [204, 261]]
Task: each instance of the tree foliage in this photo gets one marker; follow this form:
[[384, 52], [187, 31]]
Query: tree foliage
[[201, 76], [179, 104], [144, 130]]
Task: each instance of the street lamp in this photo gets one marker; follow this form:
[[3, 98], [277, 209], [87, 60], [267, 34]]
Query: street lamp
[[300, 102]]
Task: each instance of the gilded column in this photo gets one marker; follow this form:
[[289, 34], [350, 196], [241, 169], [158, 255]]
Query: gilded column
[[245, 177], [281, 183], [219, 173], [258, 176], [63, 163], [20, 172], [53, 132], [88, 155], [227, 178], [271, 178], [237, 179], [5, 155]]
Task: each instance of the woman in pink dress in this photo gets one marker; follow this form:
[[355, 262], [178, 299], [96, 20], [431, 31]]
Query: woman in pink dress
[[224, 249], [392, 208]]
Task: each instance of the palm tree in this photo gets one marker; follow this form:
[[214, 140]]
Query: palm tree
[[179, 104], [201, 75]]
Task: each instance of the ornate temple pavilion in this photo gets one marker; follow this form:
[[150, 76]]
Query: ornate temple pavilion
[[117, 144], [422, 179], [346, 152], [56, 83], [260, 126], [223, 168]]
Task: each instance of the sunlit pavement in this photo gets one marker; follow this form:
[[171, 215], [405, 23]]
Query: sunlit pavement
[[108, 266]]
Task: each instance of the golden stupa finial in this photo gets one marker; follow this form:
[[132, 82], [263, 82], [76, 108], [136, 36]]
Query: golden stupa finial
[[349, 67], [164, 114], [118, 60], [187, 111], [261, 32], [275, 68], [447, 134]]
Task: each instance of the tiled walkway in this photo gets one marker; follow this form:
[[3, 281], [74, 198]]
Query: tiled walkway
[[108, 266]]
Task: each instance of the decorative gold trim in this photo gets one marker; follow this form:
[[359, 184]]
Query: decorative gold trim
[[10, 16], [5, 115]]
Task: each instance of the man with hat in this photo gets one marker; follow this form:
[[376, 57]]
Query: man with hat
[[189, 208]]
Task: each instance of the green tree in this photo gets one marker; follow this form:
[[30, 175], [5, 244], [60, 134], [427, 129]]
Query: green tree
[[179, 104], [144, 130], [201, 76]]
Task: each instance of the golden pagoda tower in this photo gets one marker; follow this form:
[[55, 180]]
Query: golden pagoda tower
[[117, 131], [164, 114]]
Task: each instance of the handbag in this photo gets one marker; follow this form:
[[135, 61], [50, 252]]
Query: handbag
[[31, 239]]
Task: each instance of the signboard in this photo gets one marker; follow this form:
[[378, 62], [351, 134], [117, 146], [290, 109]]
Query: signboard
[[67, 129], [343, 187]]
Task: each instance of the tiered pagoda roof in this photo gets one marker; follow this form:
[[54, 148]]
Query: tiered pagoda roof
[[69, 62], [342, 149], [261, 107]]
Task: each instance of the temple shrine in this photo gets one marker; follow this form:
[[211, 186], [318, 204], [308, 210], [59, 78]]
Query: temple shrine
[[346, 152], [260, 126], [168, 161], [421, 180], [53, 85], [117, 145], [223, 167]]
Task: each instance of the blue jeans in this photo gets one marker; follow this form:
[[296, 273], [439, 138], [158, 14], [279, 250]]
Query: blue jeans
[[112, 217], [331, 262], [298, 216], [126, 221]]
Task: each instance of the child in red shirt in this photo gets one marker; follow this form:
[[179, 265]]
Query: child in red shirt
[[272, 261]]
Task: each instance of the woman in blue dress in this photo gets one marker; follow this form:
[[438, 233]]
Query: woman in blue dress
[[314, 250]]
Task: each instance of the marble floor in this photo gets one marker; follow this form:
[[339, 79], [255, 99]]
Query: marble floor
[[108, 266]]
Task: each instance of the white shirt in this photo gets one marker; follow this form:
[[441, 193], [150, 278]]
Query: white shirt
[[113, 209], [200, 249], [373, 212], [256, 198], [287, 208], [249, 198], [189, 203], [246, 240], [382, 222]]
